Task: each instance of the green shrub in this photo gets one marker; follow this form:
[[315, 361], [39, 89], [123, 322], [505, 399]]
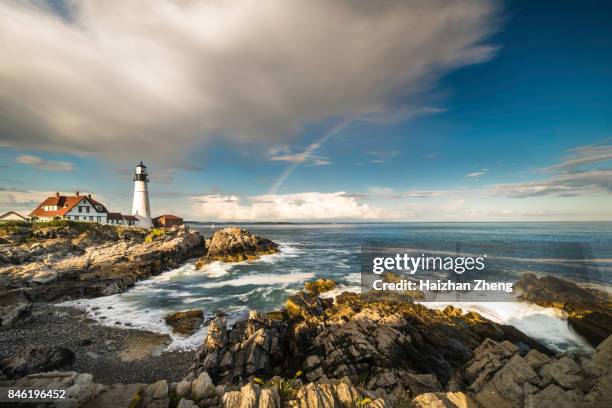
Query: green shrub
[[154, 234]]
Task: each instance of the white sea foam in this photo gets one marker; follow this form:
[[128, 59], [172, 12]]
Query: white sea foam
[[546, 324], [216, 269], [260, 279], [339, 289]]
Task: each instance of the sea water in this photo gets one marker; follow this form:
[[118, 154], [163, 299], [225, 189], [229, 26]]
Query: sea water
[[578, 251]]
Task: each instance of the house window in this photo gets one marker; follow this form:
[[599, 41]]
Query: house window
[[80, 209], [76, 217], [87, 210], [90, 218], [99, 219]]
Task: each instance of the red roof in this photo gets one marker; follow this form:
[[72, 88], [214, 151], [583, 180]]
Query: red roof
[[114, 216], [168, 217], [64, 204], [130, 218]]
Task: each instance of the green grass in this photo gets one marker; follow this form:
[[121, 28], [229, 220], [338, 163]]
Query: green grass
[[154, 234]]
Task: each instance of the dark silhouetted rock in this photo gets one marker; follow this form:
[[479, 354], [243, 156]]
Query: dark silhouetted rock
[[37, 359]]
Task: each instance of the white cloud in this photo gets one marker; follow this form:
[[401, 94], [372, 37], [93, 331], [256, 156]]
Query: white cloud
[[477, 173], [43, 164], [568, 179], [306, 157], [269, 207], [566, 184], [583, 155], [153, 78]]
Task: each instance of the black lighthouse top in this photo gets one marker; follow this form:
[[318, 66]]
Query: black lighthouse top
[[141, 173]]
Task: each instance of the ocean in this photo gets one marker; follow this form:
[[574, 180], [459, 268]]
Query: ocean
[[576, 251]]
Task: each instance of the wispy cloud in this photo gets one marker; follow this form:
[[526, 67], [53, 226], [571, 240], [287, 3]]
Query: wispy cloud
[[307, 156], [582, 156], [568, 179], [43, 164], [562, 185], [477, 173]]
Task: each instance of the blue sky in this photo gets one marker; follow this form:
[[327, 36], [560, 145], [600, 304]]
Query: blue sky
[[505, 116]]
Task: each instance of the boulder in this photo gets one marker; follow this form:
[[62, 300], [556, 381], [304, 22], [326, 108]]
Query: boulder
[[233, 244], [320, 286], [37, 359], [15, 306], [156, 395], [185, 323]]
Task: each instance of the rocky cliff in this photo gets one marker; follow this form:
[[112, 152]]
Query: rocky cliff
[[74, 261], [236, 245]]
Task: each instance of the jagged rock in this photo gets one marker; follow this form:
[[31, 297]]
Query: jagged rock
[[233, 244], [15, 306], [252, 396], [506, 388], [185, 323], [536, 359], [320, 286], [304, 305], [326, 394], [252, 346], [202, 387], [364, 338], [37, 359], [156, 395], [443, 400], [564, 372], [589, 310], [554, 397], [497, 376]]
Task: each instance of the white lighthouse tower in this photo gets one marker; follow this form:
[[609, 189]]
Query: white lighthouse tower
[[141, 207]]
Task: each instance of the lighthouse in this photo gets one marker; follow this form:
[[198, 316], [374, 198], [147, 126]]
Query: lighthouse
[[141, 207]]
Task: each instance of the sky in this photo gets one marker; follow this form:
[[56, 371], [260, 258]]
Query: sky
[[261, 110]]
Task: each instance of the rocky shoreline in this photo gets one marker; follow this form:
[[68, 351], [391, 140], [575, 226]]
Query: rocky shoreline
[[355, 350], [365, 350]]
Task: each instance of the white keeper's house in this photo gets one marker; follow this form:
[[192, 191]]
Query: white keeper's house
[[78, 207]]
